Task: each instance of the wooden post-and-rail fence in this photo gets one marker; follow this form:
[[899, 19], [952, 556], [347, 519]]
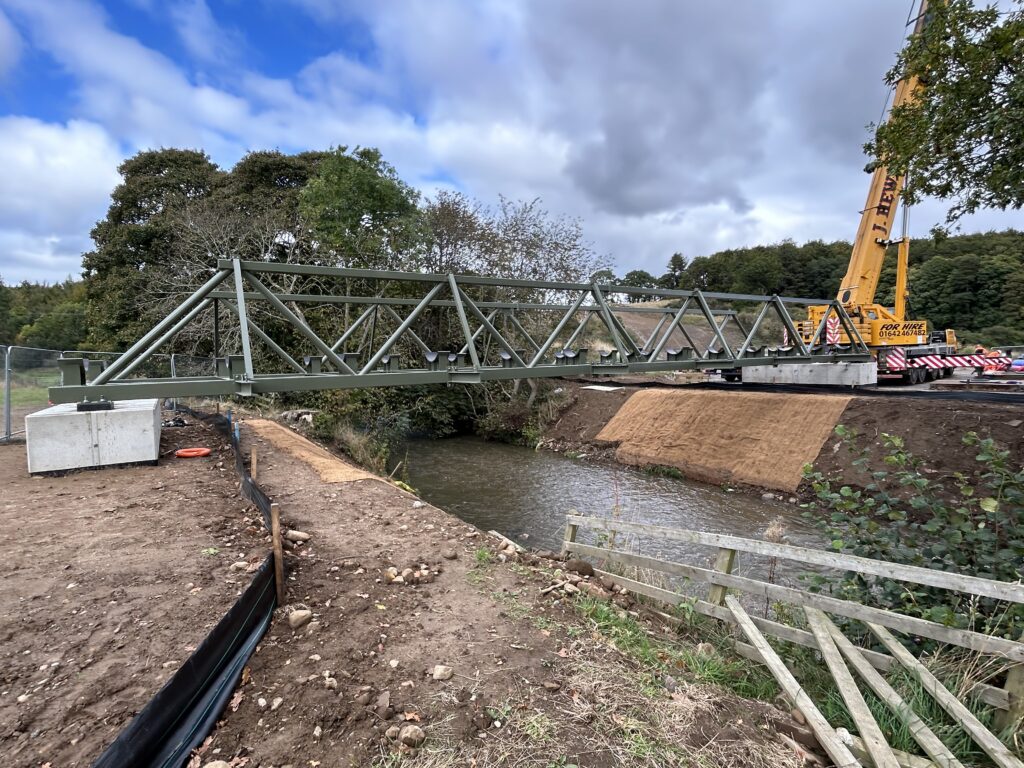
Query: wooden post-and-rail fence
[[838, 652]]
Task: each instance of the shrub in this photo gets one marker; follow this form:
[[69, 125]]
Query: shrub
[[969, 523]]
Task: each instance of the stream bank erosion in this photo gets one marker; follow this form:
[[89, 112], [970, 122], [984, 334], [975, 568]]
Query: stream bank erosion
[[428, 640], [763, 439]]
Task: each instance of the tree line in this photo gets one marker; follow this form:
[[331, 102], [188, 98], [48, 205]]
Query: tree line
[[972, 283], [176, 212]]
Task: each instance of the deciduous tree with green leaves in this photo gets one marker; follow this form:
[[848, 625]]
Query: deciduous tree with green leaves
[[960, 140]]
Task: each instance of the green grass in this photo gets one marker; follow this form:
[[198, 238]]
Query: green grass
[[659, 470], [483, 556], [664, 656], [821, 688], [28, 389]]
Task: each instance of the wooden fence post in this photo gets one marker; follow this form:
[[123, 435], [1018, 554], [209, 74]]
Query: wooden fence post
[[570, 537], [275, 537], [252, 463], [723, 562], [1014, 714]]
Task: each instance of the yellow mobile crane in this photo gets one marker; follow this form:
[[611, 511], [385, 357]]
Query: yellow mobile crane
[[885, 330]]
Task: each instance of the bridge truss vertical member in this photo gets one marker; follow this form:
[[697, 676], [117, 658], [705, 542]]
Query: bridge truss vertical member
[[543, 323]]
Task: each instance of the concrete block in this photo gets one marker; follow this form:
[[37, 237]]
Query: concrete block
[[843, 374], [62, 438]]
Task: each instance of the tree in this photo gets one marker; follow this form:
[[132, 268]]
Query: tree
[[674, 274], [639, 278], [960, 139], [361, 212], [137, 237], [7, 329], [62, 328]]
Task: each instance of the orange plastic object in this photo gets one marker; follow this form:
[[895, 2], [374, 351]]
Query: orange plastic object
[[191, 453]]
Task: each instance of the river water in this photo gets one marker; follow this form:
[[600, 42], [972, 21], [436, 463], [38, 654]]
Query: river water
[[525, 495]]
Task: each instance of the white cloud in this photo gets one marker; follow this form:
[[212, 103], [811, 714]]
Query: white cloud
[[10, 46], [204, 38], [664, 125], [56, 184]]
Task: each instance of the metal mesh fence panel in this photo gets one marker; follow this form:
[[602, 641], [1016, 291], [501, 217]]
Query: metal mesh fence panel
[[31, 372], [5, 401]]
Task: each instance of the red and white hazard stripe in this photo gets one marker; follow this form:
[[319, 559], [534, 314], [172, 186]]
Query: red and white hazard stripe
[[957, 361], [832, 330], [895, 359]]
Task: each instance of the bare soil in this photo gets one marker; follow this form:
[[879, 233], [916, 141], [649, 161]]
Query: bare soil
[[531, 684], [107, 589], [642, 325], [932, 430]]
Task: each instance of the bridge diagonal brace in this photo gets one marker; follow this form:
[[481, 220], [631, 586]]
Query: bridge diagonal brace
[[745, 346], [677, 322], [479, 330], [424, 347], [402, 328], [350, 330], [780, 309], [821, 327], [580, 329], [460, 309], [735, 317], [553, 336], [519, 327], [657, 329], [300, 326], [851, 330], [170, 334], [705, 310], [491, 329], [158, 332], [609, 322], [274, 347]]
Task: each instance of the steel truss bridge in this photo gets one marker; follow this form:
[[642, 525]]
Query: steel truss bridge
[[486, 353]]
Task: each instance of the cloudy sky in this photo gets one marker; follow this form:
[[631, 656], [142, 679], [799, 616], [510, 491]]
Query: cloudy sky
[[665, 125]]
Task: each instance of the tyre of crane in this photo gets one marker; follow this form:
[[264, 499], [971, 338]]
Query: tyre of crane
[[947, 372], [933, 374]]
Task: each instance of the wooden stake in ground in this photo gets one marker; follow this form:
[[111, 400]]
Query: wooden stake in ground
[[275, 538], [826, 735], [922, 734], [993, 747], [877, 747], [252, 464]]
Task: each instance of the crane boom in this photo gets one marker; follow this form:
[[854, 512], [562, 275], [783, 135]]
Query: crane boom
[[874, 233], [878, 326]]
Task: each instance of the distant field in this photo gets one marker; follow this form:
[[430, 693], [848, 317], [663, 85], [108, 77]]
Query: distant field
[[30, 388]]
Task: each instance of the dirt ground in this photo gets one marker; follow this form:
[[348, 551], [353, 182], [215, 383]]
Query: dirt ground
[[728, 438], [111, 578], [529, 683], [642, 325], [933, 431]]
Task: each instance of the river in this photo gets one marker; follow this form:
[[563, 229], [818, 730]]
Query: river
[[525, 495]]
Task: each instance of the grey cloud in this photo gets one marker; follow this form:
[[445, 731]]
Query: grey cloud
[[664, 94]]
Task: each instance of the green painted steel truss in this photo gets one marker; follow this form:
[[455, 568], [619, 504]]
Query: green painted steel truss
[[496, 342]]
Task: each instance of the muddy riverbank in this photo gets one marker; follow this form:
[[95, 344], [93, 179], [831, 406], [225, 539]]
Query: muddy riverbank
[[739, 439]]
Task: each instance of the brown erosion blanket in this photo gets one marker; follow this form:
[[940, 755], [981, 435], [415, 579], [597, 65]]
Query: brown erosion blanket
[[725, 437]]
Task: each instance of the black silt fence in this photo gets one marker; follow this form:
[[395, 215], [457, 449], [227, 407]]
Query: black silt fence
[[183, 712]]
